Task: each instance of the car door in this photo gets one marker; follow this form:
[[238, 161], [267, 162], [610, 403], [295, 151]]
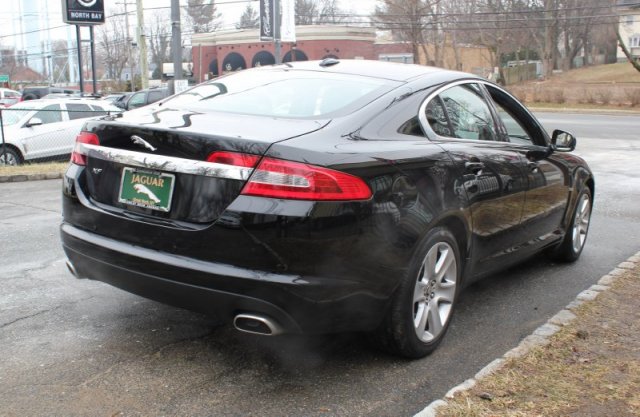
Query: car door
[[492, 175], [43, 140], [548, 184]]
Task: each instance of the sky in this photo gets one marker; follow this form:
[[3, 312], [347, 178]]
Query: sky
[[10, 14]]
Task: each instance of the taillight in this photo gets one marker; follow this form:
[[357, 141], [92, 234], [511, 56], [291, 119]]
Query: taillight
[[277, 178], [234, 158], [79, 156]]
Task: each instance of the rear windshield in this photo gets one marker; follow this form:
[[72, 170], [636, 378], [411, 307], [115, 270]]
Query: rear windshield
[[287, 94]]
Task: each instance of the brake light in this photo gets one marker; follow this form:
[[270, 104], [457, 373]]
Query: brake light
[[278, 178], [234, 158], [79, 156]]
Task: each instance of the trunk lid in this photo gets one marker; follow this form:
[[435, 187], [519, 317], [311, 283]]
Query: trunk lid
[[152, 163]]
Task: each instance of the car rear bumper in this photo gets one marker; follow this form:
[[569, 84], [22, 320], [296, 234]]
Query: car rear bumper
[[297, 304]]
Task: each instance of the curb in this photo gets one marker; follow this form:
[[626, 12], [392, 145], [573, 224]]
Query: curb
[[540, 336], [31, 177], [608, 112]]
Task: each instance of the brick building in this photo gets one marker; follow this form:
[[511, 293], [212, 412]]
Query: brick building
[[220, 52]]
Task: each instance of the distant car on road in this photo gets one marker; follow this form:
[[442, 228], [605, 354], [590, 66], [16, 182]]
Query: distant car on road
[[9, 97], [46, 129]]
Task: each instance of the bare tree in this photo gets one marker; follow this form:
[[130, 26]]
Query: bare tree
[[330, 12], [306, 12], [249, 18], [112, 46], [626, 51], [159, 39], [408, 21], [202, 16]]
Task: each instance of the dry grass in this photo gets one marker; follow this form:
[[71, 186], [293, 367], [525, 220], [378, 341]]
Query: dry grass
[[26, 169], [607, 86], [590, 368], [612, 73]]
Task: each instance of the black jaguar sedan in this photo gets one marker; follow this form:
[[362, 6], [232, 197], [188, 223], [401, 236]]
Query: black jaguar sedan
[[323, 197]]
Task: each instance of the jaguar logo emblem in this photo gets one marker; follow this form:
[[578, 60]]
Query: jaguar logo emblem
[[137, 140]]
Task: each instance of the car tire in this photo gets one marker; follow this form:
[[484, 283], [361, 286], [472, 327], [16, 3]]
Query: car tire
[[422, 306], [576, 236], [10, 157]]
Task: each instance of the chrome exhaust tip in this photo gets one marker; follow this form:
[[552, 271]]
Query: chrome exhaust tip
[[72, 269], [251, 323]]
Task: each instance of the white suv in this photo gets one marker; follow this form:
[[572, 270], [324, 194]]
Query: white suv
[[46, 129]]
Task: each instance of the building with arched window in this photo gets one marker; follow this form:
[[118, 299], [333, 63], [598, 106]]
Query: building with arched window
[[220, 52]]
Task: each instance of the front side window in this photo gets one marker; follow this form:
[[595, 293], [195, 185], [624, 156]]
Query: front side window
[[519, 126], [137, 100], [514, 129], [461, 112], [50, 114]]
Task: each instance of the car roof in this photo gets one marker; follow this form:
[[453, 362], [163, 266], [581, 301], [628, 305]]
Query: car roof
[[36, 104], [378, 69]]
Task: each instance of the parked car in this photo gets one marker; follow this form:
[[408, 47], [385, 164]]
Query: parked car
[[118, 99], [9, 97], [144, 97], [37, 92], [46, 129], [322, 197]]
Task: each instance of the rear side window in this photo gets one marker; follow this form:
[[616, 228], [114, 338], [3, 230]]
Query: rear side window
[[98, 111], [78, 111], [286, 94], [467, 114]]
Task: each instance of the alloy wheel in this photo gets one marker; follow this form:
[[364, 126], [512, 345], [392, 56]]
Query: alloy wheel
[[8, 158], [581, 222], [434, 292]]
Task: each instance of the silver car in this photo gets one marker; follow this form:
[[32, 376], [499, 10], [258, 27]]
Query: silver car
[[9, 97], [46, 129]]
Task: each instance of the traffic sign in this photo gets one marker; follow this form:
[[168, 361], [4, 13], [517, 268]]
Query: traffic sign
[[83, 12]]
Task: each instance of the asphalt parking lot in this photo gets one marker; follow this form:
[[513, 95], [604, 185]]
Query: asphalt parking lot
[[73, 347]]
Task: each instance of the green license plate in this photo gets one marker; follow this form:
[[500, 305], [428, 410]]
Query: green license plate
[[147, 189]]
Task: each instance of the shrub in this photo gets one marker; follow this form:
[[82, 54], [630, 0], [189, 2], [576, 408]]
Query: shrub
[[633, 96], [604, 95]]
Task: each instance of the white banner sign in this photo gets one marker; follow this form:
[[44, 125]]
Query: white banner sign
[[288, 27]]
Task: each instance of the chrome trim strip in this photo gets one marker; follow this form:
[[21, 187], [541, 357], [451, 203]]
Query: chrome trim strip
[[165, 163]]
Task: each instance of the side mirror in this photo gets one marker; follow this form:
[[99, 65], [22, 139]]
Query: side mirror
[[34, 121], [562, 141]]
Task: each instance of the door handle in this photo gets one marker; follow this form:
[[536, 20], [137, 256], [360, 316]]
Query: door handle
[[533, 167], [474, 167]]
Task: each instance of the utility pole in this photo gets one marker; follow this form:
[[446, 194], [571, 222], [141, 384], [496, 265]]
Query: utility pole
[[128, 41], [142, 43], [176, 44]]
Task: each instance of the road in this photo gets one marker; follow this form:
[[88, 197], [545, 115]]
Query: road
[[74, 347]]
